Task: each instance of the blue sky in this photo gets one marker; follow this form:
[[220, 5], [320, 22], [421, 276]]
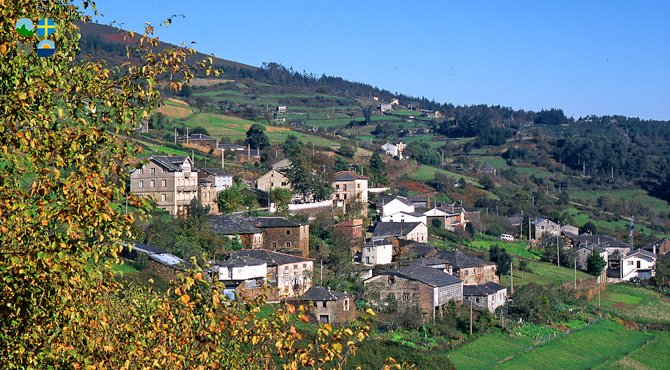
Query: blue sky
[[586, 57]]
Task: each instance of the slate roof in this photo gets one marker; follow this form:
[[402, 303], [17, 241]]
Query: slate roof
[[348, 176], [541, 219], [424, 274], [146, 248], [482, 290], [417, 249], [429, 261], [319, 293], [271, 222], [394, 228], [234, 225], [241, 261], [170, 163], [603, 241], [381, 201], [641, 251], [657, 243], [217, 171], [271, 258], [232, 146], [284, 163], [200, 137], [460, 260]]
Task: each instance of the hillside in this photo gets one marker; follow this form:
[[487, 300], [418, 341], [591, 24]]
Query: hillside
[[538, 162]]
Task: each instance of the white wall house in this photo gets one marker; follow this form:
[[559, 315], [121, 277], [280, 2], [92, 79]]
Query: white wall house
[[395, 205], [377, 252], [240, 269], [639, 263], [416, 231], [405, 217]]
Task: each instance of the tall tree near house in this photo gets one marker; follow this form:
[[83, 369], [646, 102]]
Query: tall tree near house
[[293, 147], [662, 270], [256, 137], [341, 164], [230, 200], [281, 197], [64, 171], [595, 264]]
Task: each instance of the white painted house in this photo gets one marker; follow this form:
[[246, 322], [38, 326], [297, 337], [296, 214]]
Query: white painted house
[[241, 268], [391, 205], [417, 231], [638, 263], [394, 150], [404, 216], [377, 252]]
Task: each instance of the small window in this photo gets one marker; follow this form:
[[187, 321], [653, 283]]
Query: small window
[[304, 265], [141, 184], [337, 187], [153, 170], [323, 304], [141, 171], [152, 183], [288, 244], [344, 187], [405, 296], [391, 279], [288, 232], [359, 186], [295, 267], [163, 197], [163, 170], [346, 304], [324, 319], [630, 263], [274, 245], [163, 183]]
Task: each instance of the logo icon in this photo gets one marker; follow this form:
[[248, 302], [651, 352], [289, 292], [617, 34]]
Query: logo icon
[[45, 27], [46, 48], [24, 49], [25, 27]]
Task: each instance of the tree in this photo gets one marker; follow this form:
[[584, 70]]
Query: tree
[[282, 197], [662, 268], [589, 228], [341, 164], [293, 147], [307, 178], [256, 137], [347, 151], [65, 170], [502, 259], [595, 263], [230, 200]]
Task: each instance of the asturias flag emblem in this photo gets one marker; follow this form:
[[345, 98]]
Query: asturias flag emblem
[[45, 27], [46, 48]]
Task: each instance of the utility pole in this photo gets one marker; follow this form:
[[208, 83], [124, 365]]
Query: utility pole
[[470, 318], [322, 272], [175, 134], [186, 134], [558, 251], [599, 289], [575, 272], [223, 159], [511, 276]]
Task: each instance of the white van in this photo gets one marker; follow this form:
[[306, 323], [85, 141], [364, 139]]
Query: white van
[[506, 237]]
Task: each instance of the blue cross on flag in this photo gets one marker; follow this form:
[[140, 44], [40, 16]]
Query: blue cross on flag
[[45, 27]]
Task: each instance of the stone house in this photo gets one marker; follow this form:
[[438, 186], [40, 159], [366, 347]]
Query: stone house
[[428, 288], [542, 225], [207, 194], [202, 140], [329, 307], [271, 180], [288, 277], [471, 270], [243, 229], [284, 235], [171, 181], [659, 247], [352, 232], [487, 296], [417, 231], [638, 263], [350, 186]]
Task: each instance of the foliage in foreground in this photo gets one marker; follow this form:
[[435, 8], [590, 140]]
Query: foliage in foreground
[[64, 165]]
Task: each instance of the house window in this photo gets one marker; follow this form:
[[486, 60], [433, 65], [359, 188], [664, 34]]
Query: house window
[[638, 264], [367, 260], [163, 170], [288, 232], [324, 319], [163, 197], [152, 183], [391, 279], [344, 187], [337, 187], [153, 170], [405, 296], [630, 263], [163, 183], [323, 304], [346, 304], [304, 265], [345, 196], [141, 171], [295, 267], [141, 184], [359, 186], [274, 245], [288, 244], [284, 183]]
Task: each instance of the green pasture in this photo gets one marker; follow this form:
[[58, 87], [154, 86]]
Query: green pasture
[[543, 273], [519, 249], [654, 355], [632, 195], [636, 303]]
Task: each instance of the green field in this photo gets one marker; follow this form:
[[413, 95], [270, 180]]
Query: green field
[[543, 273], [631, 195], [604, 226], [635, 303], [493, 161], [602, 342], [654, 355], [518, 249], [487, 351]]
